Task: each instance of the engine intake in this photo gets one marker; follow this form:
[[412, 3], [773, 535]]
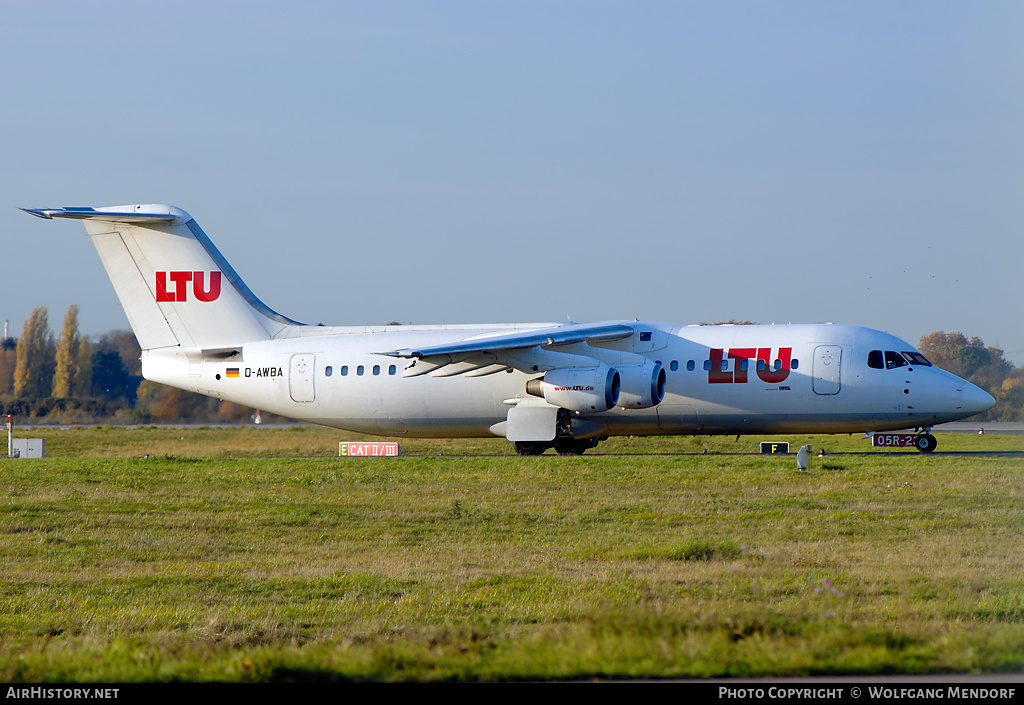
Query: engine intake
[[578, 388]]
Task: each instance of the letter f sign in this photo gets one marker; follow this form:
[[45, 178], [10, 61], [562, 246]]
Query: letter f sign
[[179, 286]]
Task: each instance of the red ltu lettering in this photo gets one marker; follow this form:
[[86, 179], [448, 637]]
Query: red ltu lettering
[[179, 288], [161, 288], [715, 374], [741, 355], [197, 286], [718, 372], [768, 374], [181, 280]]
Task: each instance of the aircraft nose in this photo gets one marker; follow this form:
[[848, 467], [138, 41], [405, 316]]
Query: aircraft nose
[[976, 400]]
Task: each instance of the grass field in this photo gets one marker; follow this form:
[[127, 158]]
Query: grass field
[[255, 554]]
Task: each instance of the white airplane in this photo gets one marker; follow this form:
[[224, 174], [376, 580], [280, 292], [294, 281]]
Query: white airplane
[[538, 385]]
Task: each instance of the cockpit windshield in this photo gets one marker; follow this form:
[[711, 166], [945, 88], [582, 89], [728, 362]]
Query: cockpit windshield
[[890, 359], [893, 360], [916, 358]]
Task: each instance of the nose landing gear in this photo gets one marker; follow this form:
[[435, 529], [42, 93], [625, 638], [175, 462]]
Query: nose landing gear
[[925, 441]]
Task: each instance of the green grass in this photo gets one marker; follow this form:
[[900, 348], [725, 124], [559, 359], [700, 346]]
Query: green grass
[[257, 554]]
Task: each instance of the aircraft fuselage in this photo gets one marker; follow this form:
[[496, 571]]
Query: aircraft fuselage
[[718, 380]]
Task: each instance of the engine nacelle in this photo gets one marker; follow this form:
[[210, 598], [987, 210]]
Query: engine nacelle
[[578, 388], [643, 386]]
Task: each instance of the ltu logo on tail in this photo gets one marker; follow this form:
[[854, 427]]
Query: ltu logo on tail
[[179, 286]]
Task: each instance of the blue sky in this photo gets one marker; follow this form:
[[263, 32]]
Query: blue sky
[[856, 162]]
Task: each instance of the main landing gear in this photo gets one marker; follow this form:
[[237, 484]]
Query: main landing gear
[[564, 443], [530, 447], [562, 446]]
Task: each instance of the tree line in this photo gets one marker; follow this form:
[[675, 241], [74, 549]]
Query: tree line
[[74, 379], [979, 364]]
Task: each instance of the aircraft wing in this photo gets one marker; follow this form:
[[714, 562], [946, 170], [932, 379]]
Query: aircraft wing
[[529, 351]]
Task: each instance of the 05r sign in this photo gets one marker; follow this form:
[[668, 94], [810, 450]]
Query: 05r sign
[[893, 440]]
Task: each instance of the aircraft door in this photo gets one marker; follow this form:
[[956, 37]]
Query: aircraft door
[[300, 377], [825, 369]]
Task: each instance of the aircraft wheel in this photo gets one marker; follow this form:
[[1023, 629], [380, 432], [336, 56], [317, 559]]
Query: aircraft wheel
[[572, 446], [530, 447], [925, 443]]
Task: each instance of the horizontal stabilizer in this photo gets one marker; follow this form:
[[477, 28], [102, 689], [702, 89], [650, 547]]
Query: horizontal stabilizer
[[109, 216]]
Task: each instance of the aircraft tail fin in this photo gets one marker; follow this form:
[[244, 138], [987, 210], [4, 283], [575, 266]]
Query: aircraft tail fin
[[175, 287]]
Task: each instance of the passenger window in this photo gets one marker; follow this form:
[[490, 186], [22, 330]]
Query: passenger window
[[674, 366], [359, 370], [344, 370], [376, 370], [707, 365], [794, 364], [875, 361], [392, 370], [328, 371], [893, 360], [691, 365]]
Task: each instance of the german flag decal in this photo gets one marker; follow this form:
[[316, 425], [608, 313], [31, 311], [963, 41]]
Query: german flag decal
[[232, 372]]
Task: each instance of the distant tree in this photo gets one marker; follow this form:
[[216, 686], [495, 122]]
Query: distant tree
[[124, 343], [144, 398], [1010, 400], [158, 402], [230, 411], [967, 358], [171, 403], [984, 366], [81, 385], [66, 377], [33, 372], [110, 378], [8, 360]]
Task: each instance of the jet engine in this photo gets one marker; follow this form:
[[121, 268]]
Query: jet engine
[[578, 388], [643, 386]]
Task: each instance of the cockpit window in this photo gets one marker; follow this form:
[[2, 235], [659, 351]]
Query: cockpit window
[[890, 359], [916, 358], [893, 360]]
